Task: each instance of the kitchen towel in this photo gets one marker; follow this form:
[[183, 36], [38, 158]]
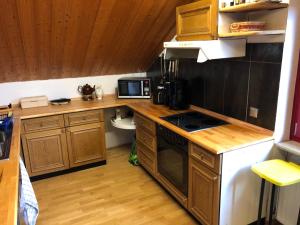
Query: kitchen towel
[[29, 208]]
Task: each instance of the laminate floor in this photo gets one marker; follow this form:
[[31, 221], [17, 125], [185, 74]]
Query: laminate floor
[[117, 193]]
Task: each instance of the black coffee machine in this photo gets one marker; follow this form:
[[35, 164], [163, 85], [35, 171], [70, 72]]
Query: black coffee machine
[[171, 87], [176, 92]]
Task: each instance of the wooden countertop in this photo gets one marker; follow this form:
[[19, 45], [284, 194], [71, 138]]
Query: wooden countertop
[[76, 105], [218, 140], [9, 181], [221, 139]]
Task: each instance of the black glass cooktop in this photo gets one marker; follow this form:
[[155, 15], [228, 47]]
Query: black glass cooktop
[[193, 121]]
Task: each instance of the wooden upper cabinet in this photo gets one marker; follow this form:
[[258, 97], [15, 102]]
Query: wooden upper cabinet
[[197, 21], [86, 144], [204, 193], [45, 151]]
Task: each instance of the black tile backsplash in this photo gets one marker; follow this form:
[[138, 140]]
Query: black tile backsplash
[[231, 86], [266, 53], [263, 93], [235, 93]]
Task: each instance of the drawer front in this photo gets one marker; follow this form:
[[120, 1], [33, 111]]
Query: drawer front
[[144, 123], [42, 123], [205, 157], [146, 138], [146, 157], [93, 116]]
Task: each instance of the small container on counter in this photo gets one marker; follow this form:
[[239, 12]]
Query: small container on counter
[[159, 95]]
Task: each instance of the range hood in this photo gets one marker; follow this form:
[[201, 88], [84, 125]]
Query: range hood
[[205, 50]]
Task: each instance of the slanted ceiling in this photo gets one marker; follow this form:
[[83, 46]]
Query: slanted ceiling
[[44, 39]]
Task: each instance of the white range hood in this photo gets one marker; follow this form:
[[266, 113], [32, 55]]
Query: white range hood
[[205, 50]]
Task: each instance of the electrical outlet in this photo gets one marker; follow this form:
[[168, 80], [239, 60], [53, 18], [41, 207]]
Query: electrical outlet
[[253, 112]]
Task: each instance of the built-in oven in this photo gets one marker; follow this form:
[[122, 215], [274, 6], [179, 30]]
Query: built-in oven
[[172, 158]]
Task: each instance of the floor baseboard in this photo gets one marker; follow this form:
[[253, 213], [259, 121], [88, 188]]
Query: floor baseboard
[[58, 173]]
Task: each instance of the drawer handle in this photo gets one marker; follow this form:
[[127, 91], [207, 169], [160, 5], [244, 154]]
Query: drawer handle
[[41, 124], [201, 156]]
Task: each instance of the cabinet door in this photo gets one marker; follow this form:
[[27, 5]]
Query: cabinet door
[[203, 198], [45, 151], [197, 21], [86, 144]]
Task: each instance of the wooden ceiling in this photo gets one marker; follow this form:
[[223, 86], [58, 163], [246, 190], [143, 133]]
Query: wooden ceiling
[[44, 39]]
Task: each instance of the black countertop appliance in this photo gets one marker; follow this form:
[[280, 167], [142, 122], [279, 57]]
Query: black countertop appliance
[[175, 88], [177, 94]]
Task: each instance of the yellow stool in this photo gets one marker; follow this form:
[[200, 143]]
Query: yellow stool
[[279, 173]]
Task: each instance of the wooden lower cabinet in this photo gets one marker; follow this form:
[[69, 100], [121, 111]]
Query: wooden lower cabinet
[[86, 144], [45, 151], [147, 158], [51, 143], [204, 193], [146, 143]]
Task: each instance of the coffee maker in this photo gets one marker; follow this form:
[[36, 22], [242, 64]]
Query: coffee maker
[[177, 94]]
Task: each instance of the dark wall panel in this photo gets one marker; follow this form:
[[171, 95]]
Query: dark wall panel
[[232, 86], [236, 91]]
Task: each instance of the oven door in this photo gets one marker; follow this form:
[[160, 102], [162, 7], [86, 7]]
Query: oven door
[[130, 88], [172, 158]]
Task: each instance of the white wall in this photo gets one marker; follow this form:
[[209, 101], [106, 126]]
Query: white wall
[[57, 88], [289, 198]]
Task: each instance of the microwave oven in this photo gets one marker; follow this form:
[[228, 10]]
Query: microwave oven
[[134, 87]]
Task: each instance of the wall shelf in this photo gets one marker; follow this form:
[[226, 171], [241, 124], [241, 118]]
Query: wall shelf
[[254, 6], [251, 33]]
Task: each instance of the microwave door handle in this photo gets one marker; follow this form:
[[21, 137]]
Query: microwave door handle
[[142, 87]]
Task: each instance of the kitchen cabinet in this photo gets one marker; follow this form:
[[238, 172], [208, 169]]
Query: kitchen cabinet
[[45, 151], [146, 143], [60, 142], [86, 144], [255, 11], [197, 21], [207, 20], [204, 188], [222, 189]]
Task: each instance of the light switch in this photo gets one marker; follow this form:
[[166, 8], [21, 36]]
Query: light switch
[[253, 112]]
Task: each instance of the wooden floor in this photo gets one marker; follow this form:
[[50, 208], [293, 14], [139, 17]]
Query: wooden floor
[[116, 193]]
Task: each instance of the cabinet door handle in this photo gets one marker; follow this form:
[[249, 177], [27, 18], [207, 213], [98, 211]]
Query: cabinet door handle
[[63, 130]]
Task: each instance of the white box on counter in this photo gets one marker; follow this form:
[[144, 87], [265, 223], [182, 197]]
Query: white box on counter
[[36, 101]]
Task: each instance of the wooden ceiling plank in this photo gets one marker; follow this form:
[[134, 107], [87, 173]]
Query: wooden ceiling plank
[[46, 39], [121, 40], [96, 45], [116, 25], [26, 22], [59, 21]]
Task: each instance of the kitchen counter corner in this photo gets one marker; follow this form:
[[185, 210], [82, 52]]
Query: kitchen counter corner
[[237, 134], [9, 181]]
